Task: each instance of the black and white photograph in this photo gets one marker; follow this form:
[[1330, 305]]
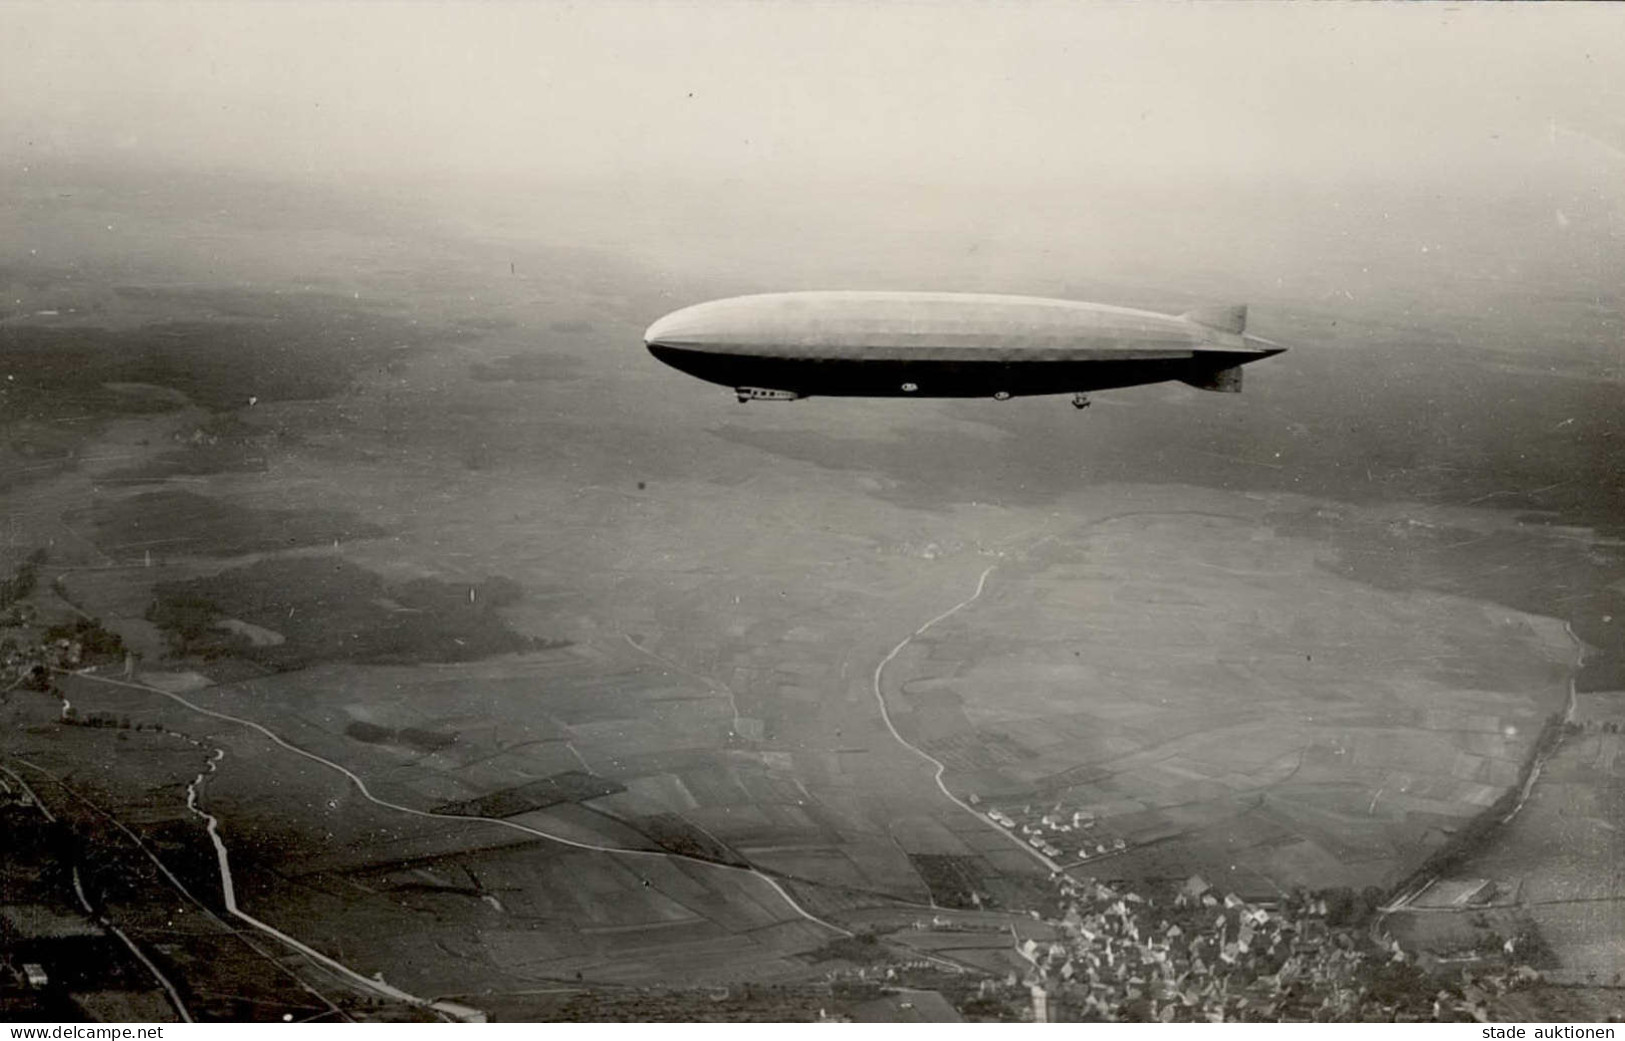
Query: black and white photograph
[[901, 512]]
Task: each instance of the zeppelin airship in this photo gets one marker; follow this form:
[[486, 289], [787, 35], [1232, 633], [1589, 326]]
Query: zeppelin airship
[[784, 346]]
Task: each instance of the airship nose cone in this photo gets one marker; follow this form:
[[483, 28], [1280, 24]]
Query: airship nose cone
[[662, 339], [673, 328], [651, 335]]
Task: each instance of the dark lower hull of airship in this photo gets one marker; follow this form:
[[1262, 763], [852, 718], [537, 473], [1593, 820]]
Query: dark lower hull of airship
[[855, 377]]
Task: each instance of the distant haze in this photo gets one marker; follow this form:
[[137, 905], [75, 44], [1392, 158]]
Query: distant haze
[[902, 142]]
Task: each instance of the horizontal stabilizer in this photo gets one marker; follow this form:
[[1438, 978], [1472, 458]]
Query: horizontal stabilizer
[[1225, 319], [1225, 381]]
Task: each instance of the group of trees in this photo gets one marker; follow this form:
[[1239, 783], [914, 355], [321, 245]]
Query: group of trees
[[96, 644], [1348, 908], [22, 581], [106, 720]]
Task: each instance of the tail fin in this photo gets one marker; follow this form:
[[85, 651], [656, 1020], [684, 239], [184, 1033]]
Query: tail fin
[[1224, 319]]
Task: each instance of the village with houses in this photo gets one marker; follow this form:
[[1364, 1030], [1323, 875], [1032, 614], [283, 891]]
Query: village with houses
[[1192, 953], [1063, 834], [1184, 951]]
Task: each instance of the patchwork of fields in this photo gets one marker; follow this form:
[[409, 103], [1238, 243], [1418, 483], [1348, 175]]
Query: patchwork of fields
[[503, 666]]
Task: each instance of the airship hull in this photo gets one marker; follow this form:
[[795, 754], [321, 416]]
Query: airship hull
[[787, 345]]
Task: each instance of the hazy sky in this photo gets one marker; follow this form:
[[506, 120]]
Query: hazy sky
[[976, 93], [1224, 147]]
